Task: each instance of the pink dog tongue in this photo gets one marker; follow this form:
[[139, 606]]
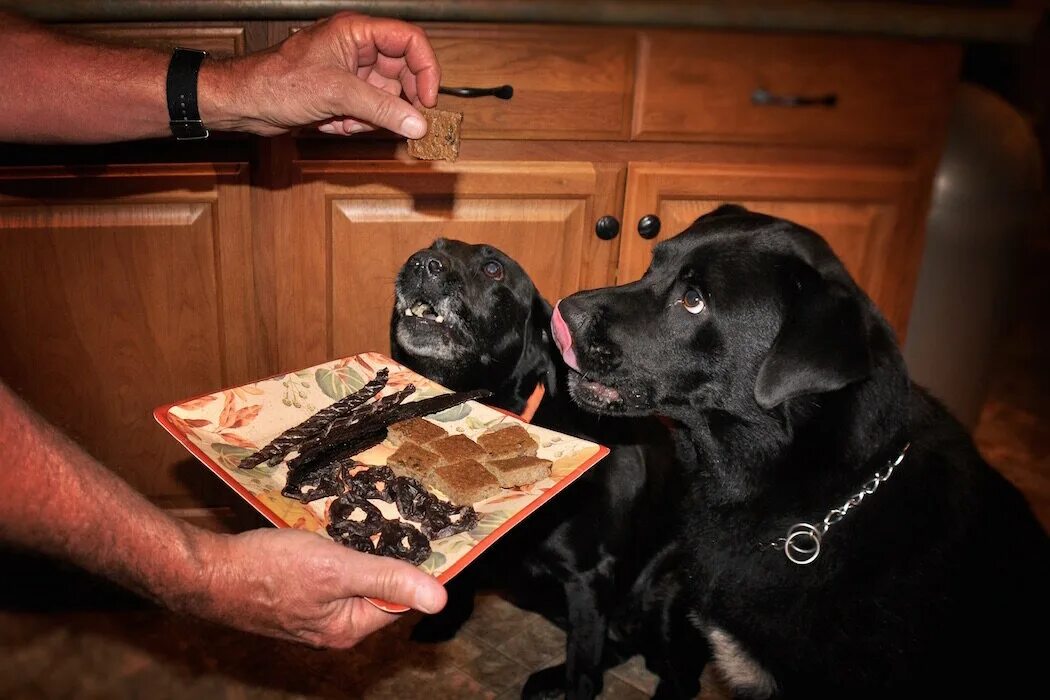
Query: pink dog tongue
[[563, 339]]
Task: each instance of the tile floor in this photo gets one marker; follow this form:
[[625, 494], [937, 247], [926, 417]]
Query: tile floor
[[88, 641]]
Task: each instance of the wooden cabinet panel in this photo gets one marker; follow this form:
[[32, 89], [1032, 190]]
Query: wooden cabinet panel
[[112, 305], [373, 216], [868, 215], [700, 86], [219, 42], [567, 84]]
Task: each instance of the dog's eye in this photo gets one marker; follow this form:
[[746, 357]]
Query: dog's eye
[[493, 269], [692, 301]]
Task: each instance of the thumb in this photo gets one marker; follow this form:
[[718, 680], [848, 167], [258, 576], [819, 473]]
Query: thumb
[[396, 582], [359, 100]]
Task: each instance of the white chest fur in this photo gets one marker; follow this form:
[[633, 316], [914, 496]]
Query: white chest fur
[[739, 670]]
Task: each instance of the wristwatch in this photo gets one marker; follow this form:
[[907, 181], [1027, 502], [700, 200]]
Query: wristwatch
[[184, 116]]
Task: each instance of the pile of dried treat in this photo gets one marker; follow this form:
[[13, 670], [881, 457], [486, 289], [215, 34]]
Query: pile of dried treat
[[324, 465], [464, 470]]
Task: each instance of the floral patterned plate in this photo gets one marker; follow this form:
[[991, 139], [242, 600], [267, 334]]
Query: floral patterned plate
[[223, 428]]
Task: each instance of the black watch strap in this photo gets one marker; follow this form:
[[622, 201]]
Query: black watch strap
[[184, 116]]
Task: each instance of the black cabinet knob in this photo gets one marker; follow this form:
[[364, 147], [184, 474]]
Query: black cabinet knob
[[649, 226], [607, 228]]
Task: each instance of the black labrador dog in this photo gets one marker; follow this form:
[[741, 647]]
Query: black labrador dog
[[596, 558], [844, 537]]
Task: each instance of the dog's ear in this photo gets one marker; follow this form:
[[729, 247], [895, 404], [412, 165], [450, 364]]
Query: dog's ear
[[723, 210], [822, 344], [540, 328]]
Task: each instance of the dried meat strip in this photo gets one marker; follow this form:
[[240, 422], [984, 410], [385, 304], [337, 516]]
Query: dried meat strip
[[372, 533], [302, 474], [349, 428], [290, 439]]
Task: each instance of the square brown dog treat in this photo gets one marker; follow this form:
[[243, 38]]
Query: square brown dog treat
[[465, 482], [455, 448], [511, 441], [417, 430], [442, 139], [518, 471], [413, 461]]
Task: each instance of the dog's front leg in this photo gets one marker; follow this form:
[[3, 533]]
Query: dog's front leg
[[589, 597]]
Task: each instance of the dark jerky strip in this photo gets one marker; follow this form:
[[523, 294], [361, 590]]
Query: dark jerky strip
[[318, 448], [311, 473], [380, 406], [393, 538], [343, 507], [403, 541], [434, 516], [284, 443]]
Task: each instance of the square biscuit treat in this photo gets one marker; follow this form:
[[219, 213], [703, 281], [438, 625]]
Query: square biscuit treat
[[442, 138], [455, 448], [413, 461], [465, 482], [518, 471], [511, 441], [417, 430]]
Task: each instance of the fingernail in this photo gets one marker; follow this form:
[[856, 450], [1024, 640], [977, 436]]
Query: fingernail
[[327, 128], [354, 128], [413, 127], [428, 599]]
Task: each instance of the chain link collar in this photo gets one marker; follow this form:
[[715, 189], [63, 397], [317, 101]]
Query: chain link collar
[[801, 545]]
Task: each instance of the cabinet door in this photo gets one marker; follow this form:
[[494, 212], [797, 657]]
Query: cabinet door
[[868, 214], [123, 289], [358, 222]]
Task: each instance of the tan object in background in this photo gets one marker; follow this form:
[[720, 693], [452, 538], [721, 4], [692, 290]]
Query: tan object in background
[[442, 139]]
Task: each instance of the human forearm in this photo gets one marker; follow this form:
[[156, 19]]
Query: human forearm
[[282, 583], [58, 500], [61, 89], [344, 74]]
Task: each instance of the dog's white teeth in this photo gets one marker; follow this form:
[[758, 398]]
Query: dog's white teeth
[[408, 312], [439, 319]]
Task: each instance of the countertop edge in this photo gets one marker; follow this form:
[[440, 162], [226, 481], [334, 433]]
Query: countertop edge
[[1007, 26]]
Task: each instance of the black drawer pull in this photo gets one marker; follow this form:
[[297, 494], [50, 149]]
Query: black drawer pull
[[765, 98], [649, 226], [503, 92], [607, 228]]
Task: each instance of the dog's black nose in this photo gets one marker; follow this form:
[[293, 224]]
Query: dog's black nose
[[429, 263]]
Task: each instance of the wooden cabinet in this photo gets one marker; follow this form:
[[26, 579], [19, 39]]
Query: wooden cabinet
[[128, 286], [760, 88], [123, 289], [567, 84]]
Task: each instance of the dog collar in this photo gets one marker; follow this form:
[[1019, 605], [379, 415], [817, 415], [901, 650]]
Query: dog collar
[[533, 402], [801, 545]]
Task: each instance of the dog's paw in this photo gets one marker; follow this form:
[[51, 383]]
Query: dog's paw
[[546, 684]]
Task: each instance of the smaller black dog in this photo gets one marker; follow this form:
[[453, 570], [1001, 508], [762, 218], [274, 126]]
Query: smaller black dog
[[921, 572], [597, 558]]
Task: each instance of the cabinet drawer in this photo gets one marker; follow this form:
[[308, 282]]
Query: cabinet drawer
[[701, 86], [220, 42], [568, 83]]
